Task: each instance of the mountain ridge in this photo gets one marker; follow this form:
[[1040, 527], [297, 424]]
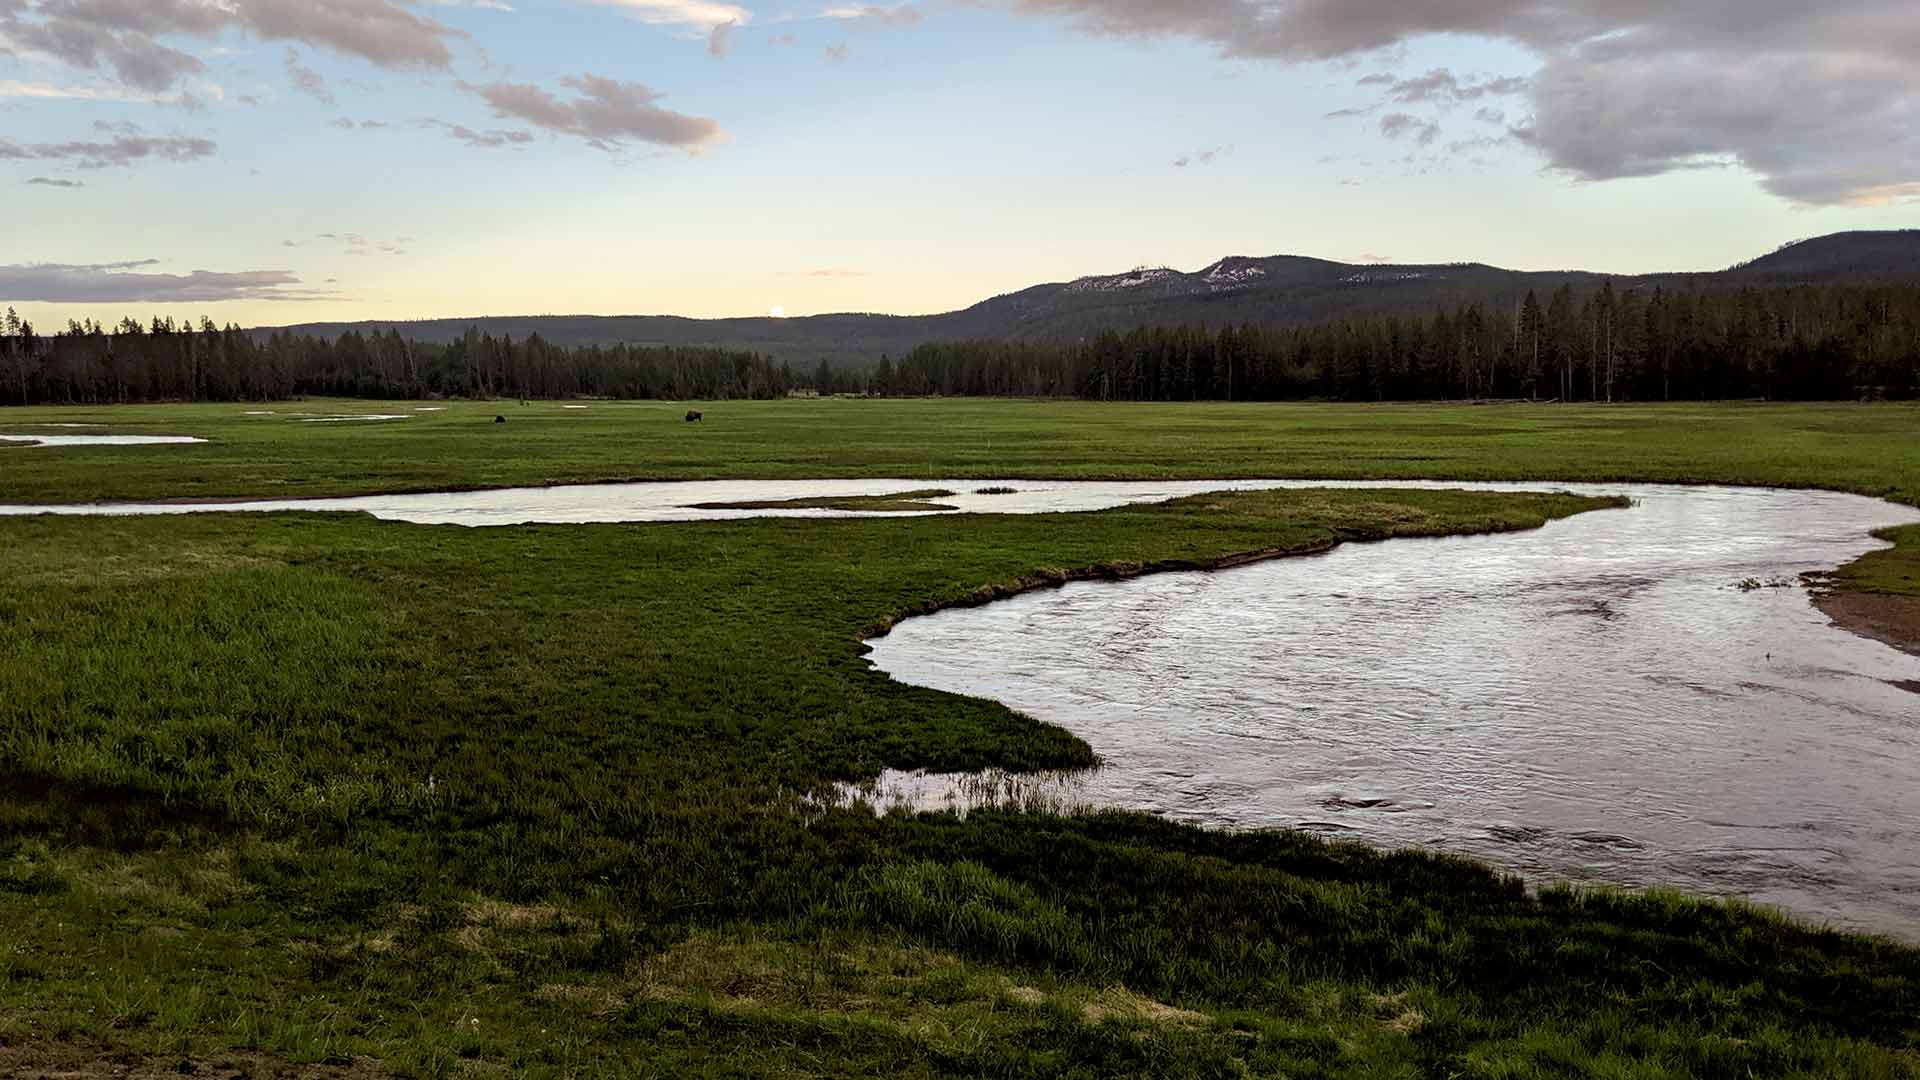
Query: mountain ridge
[[1272, 290]]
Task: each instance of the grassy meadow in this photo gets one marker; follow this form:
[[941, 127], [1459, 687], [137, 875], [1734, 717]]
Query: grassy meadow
[[365, 797], [1871, 449]]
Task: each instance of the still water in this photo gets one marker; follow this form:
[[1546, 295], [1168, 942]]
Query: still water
[[1597, 701], [99, 440]]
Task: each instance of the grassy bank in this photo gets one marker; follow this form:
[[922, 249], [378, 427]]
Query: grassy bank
[[526, 801], [1878, 595], [1865, 448], [1892, 572]]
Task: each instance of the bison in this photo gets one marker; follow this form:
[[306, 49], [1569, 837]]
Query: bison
[[694, 417]]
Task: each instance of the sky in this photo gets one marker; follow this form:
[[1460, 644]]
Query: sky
[[277, 161]]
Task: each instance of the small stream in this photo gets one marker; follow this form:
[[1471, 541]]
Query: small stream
[[1606, 700]]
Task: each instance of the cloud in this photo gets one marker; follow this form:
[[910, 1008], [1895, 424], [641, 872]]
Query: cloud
[[837, 54], [13, 88], [783, 40], [1203, 157], [1818, 100], [124, 35], [119, 152], [705, 14], [499, 138], [904, 14], [349, 124], [720, 41], [1409, 126], [358, 244], [605, 112], [59, 283], [1443, 87], [306, 80], [45, 181]]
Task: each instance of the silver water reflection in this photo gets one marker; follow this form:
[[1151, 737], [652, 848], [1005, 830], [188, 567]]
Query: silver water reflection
[[1597, 701], [579, 504], [99, 440]]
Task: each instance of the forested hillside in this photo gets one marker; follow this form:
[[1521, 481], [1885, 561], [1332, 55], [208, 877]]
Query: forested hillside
[[1804, 343], [1606, 344], [1274, 292]]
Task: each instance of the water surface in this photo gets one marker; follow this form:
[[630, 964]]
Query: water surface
[[99, 440], [1609, 699], [579, 504]]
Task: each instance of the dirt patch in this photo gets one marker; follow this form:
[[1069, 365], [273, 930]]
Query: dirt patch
[[1894, 620], [1126, 1006], [63, 1061]]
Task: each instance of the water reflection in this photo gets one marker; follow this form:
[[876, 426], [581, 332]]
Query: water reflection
[[1600, 701]]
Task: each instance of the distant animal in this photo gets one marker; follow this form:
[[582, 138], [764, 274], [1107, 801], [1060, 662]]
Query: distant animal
[[694, 417], [499, 419]]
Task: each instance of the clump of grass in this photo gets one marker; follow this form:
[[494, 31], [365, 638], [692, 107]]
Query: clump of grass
[[906, 502]]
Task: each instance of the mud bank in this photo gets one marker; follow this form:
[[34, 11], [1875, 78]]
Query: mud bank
[[1894, 620]]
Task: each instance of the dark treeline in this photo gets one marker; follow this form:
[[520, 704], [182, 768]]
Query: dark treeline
[[1802, 343], [89, 364], [1806, 343]]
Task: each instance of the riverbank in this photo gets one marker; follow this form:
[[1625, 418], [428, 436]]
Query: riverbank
[[527, 801], [1877, 596]]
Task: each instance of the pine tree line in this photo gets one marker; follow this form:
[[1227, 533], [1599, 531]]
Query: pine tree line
[[90, 365], [1804, 343]]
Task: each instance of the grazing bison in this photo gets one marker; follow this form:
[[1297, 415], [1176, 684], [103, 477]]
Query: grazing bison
[[499, 419], [694, 417]]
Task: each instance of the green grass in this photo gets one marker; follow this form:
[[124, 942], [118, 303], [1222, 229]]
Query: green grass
[[1866, 448], [531, 800], [1892, 572]]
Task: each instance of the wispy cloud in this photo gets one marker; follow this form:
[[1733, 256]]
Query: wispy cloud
[[125, 36], [720, 40], [306, 80], [905, 14], [604, 112], [495, 139], [124, 282], [704, 14], [1202, 157], [128, 146], [1408, 126], [47, 181]]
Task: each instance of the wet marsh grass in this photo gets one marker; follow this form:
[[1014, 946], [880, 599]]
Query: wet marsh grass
[[1864, 448], [1892, 572], [531, 800], [527, 801]]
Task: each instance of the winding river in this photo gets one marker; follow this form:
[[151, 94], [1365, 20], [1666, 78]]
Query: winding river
[[1636, 697]]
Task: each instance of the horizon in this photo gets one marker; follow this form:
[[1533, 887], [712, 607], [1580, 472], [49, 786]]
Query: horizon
[[273, 162], [108, 324]]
